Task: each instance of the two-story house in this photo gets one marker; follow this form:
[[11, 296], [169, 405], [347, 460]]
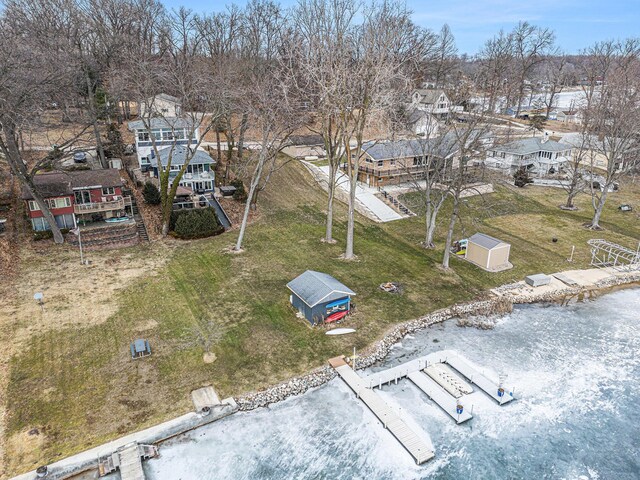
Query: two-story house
[[86, 196], [199, 175], [539, 155], [164, 132], [434, 101], [161, 105]]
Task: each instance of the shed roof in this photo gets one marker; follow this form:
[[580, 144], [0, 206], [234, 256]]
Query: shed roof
[[486, 241], [313, 287], [59, 183], [179, 156]]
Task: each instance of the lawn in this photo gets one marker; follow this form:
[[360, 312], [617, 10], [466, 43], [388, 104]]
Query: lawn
[[78, 386]]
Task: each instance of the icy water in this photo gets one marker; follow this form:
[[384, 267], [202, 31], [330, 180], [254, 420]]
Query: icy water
[[576, 373]]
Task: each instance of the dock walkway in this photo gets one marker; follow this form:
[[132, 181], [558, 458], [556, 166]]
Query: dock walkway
[[439, 395], [415, 445], [131, 463]]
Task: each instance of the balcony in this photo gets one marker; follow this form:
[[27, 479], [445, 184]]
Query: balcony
[[99, 207]]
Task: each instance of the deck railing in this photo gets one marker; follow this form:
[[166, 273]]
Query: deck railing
[[99, 206]]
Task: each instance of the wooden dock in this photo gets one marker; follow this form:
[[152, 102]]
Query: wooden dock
[[439, 395], [415, 445], [131, 463]]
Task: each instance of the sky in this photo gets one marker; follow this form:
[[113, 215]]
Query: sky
[[577, 23]]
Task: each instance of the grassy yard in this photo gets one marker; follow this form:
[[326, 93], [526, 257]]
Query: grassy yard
[[78, 386]]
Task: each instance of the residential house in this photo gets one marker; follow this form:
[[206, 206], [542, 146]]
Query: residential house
[[308, 147], [434, 101], [165, 132], [80, 197], [538, 154], [162, 105], [199, 175], [594, 146], [388, 162], [569, 116], [422, 123]]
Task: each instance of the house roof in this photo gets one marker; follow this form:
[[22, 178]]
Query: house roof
[[161, 122], [60, 183], [486, 241], [443, 147], [179, 156], [306, 140], [532, 145], [429, 96], [167, 98], [314, 287]]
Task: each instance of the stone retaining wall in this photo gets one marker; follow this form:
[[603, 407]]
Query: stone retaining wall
[[496, 305]]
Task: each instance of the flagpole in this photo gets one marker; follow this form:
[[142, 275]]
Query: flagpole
[[80, 243]]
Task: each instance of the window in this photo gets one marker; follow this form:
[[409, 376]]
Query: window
[[143, 136], [33, 206], [174, 168], [502, 155], [393, 162], [368, 160], [167, 135], [83, 196], [108, 190], [144, 161], [419, 161], [380, 163]]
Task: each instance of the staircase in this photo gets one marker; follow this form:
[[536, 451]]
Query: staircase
[[395, 203], [142, 229], [106, 236]]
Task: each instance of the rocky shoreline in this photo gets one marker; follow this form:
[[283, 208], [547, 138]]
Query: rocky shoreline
[[500, 303]]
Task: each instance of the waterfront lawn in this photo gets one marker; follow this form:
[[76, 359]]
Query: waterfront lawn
[[78, 386]]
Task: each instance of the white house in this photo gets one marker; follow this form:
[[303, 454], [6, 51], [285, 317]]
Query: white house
[[537, 154], [422, 123], [569, 116], [166, 132], [199, 175], [162, 105], [434, 101]]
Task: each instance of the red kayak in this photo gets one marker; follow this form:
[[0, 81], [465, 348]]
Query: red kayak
[[334, 317]]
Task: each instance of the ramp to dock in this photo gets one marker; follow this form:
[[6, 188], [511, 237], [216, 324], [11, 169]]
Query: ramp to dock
[[131, 463], [439, 395], [415, 445]]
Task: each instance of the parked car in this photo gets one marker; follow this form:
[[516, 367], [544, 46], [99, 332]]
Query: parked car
[[80, 157]]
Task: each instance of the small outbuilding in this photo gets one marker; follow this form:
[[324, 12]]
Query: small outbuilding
[[320, 297], [488, 253]]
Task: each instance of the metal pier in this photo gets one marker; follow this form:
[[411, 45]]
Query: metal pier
[[415, 445]]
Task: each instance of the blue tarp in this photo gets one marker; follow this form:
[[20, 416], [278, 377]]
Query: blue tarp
[[338, 302]]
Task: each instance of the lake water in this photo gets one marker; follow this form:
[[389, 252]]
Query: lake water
[[575, 370]]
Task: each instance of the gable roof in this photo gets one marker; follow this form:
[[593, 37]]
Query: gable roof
[[531, 145], [486, 241], [179, 156], [429, 96], [161, 122], [60, 183], [314, 287]]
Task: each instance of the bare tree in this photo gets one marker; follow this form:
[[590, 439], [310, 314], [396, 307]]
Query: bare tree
[[614, 119], [443, 61], [556, 79], [274, 106]]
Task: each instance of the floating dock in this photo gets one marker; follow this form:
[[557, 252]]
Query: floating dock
[[415, 445]]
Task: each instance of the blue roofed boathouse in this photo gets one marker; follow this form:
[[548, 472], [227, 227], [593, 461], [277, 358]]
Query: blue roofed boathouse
[[320, 297]]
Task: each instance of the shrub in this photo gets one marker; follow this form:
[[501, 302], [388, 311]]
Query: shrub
[[151, 194], [195, 223], [240, 194], [521, 177]]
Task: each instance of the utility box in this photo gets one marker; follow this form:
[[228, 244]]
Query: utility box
[[538, 280]]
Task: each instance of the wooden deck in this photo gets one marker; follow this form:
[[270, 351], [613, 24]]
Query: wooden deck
[[415, 445], [477, 378]]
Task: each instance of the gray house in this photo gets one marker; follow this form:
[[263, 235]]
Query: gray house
[[320, 297]]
